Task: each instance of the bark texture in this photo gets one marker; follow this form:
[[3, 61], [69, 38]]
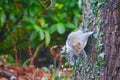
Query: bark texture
[[111, 39], [88, 24]]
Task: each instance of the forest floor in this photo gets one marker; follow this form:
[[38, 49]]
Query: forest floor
[[12, 72]]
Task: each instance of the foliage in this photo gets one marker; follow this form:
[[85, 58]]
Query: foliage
[[25, 24]]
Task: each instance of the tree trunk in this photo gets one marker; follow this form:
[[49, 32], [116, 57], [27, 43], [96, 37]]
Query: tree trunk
[[111, 39]]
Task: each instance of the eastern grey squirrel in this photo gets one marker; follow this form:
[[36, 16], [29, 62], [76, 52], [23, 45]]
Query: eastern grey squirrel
[[75, 44]]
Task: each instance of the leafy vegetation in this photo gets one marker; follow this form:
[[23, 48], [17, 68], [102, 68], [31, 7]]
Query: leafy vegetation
[[26, 24]]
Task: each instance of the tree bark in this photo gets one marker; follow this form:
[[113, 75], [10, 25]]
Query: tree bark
[[111, 39]]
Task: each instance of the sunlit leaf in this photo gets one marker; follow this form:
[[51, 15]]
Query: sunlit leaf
[[40, 31], [45, 69], [80, 2], [41, 34], [36, 27], [43, 23], [47, 37], [70, 26], [60, 28]]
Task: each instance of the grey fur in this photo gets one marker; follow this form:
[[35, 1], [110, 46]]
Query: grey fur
[[82, 38]]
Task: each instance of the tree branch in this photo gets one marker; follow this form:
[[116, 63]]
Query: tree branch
[[33, 57]]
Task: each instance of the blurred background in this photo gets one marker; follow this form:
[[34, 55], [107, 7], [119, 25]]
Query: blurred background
[[30, 28]]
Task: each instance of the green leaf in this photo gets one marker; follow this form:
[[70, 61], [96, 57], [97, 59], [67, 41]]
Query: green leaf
[[54, 17], [33, 35], [52, 29], [36, 27], [41, 34], [62, 16], [47, 37], [29, 19], [2, 17], [6, 7], [80, 4], [77, 13], [31, 2], [70, 26], [40, 31], [12, 16], [29, 26], [45, 69], [43, 23], [31, 11], [60, 28], [11, 60]]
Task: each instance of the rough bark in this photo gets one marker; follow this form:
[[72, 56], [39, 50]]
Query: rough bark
[[88, 24], [111, 39], [111, 27]]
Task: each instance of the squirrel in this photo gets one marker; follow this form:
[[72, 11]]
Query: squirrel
[[75, 44]]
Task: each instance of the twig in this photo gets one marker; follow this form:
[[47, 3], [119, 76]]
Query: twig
[[42, 3], [36, 51], [29, 49], [14, 44], [31, 59], [12, 37]]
